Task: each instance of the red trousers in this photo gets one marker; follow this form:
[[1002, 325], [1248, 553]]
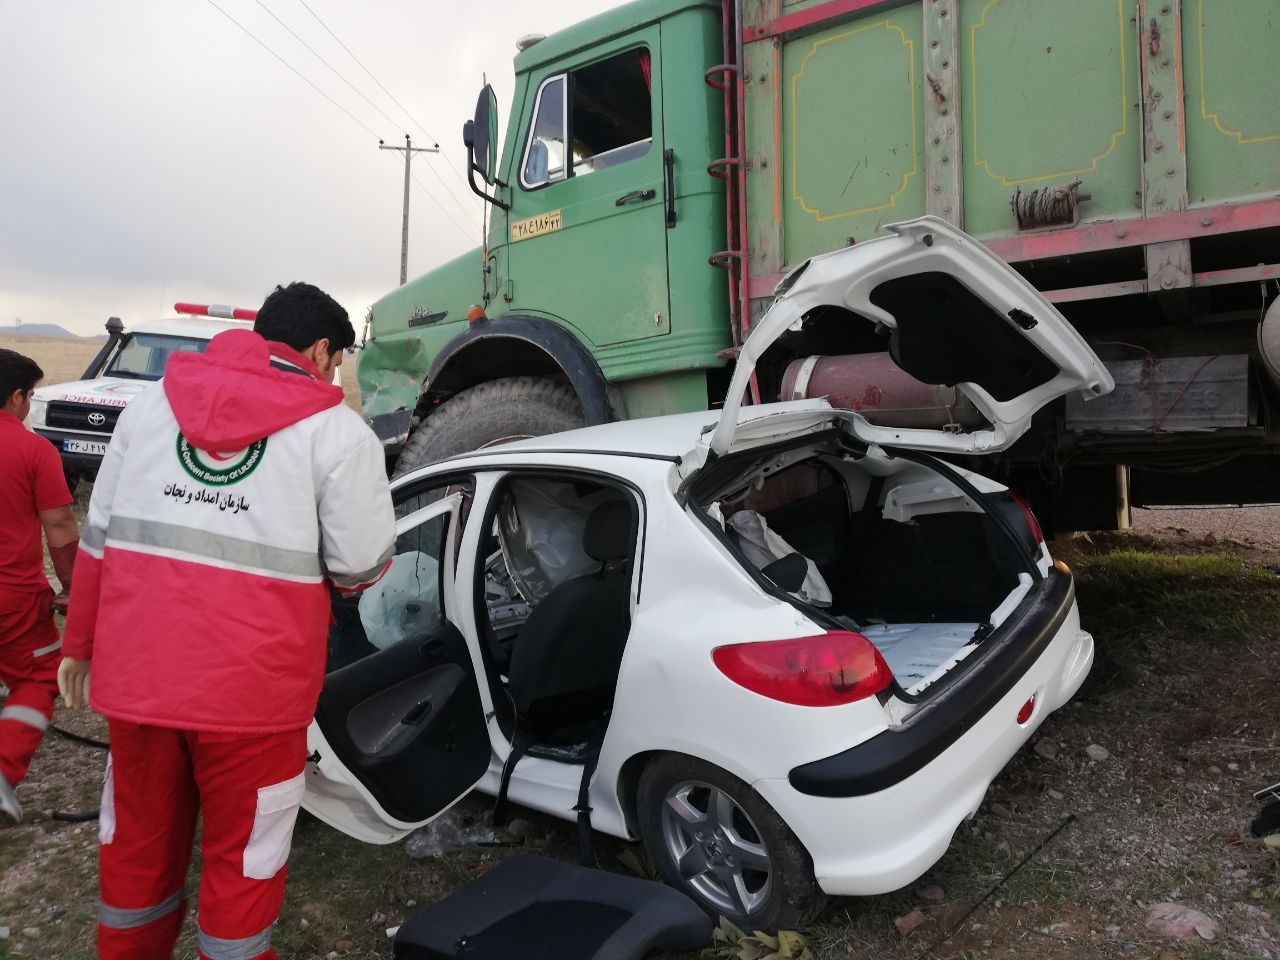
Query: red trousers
[[29, 644], [248, 789]]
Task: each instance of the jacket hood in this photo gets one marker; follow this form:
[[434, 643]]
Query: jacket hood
[[231, 396]]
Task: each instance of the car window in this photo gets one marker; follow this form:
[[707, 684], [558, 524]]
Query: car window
[[144, 355], [604, 112], [407, 603]]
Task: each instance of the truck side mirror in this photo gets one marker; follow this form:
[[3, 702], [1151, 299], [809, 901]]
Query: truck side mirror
[[480, 136]]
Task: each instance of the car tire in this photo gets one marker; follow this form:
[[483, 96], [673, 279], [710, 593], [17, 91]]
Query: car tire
[[783, 896], [499, 411]]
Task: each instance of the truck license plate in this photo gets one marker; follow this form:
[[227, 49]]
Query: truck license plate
[[84, 446]]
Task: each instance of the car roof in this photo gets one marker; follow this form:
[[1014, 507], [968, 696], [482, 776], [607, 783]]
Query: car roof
[[204, 328], [667, 438]]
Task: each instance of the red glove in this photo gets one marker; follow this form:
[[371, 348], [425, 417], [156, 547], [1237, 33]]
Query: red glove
[[64, 563]]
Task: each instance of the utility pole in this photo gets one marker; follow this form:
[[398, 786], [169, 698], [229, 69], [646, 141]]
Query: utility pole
[[408, 150]]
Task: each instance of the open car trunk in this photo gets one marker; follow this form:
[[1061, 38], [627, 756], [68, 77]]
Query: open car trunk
[[896, 551]]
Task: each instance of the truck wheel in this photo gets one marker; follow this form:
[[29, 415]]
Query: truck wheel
[[717, 840], [499, 411]]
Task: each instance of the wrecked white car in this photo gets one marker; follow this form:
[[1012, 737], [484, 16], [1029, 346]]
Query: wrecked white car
[[785, 648]]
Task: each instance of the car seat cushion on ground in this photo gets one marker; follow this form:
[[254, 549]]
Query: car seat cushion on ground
[[540, 909]]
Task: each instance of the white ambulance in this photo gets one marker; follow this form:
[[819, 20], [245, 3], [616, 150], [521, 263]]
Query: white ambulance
[[78, 417]]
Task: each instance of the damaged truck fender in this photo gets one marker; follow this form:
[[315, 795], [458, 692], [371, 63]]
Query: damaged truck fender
[[519, 345]]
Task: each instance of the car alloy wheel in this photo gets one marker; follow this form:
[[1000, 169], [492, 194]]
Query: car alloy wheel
[[717, 848]]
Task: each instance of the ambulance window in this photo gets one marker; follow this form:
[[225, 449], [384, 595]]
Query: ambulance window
[[604, 111]]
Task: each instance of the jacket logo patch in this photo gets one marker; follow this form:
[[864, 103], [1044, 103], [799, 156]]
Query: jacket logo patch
[[219, 470]]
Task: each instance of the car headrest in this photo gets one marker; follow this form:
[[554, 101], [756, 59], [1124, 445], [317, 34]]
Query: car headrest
[[607, 535]]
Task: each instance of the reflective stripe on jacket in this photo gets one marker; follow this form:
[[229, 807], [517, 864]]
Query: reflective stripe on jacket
[[202, 585]]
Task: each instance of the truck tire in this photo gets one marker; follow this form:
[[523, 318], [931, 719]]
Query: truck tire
[[499, 411]]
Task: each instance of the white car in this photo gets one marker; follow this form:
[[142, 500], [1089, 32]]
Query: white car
[[795, 646]]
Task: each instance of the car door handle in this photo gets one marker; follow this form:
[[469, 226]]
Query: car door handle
[[635, 196], [417, 714]]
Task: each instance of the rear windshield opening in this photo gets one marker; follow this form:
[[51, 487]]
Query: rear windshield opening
[[905, 557]]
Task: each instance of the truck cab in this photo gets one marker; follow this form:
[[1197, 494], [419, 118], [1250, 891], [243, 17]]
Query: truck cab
[[666, 165], [595, 281]]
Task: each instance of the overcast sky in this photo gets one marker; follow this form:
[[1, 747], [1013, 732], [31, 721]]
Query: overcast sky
[[151, 151]]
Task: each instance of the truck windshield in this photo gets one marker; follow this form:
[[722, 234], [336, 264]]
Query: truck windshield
[[144, 355]]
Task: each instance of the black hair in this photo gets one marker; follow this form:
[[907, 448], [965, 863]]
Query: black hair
[[17, 373], [300, 314]]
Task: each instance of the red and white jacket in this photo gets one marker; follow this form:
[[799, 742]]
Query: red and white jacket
[[231, 497]]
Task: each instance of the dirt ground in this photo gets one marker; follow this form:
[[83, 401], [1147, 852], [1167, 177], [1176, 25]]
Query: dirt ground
[[1182, 697]]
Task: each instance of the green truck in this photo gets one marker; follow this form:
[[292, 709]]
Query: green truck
[[665, 163]]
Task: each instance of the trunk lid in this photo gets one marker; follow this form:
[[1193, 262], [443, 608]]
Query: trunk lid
[[954, 313]]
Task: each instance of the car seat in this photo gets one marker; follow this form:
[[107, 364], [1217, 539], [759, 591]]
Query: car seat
[[564, 668], [538, 909]]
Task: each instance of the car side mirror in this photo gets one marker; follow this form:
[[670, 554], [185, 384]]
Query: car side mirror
[[788, 572]]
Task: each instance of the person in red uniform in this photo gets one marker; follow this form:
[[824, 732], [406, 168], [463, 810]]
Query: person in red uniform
[[233, 496], [33, 497]]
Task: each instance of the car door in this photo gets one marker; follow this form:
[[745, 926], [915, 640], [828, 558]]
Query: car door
[[400, 733], [952, 313], [588, 222]]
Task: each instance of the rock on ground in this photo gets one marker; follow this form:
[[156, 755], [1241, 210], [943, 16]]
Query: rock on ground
[[1179, 922]]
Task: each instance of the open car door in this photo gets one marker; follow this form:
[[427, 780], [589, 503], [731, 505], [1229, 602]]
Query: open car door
[[954, 314], [399, 733]]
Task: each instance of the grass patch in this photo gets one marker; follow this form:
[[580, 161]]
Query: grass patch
[[1152, 609]]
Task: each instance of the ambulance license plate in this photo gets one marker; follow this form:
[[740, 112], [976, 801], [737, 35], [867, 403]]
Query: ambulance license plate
[[96, 447]]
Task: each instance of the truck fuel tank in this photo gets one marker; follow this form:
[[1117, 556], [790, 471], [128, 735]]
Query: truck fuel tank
[[874, 386]]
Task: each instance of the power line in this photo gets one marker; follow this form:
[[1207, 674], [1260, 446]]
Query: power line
[[423, 187], [360, 93], [331, 67], [383, 88], [408, 150], [466, 230], [249, 33]]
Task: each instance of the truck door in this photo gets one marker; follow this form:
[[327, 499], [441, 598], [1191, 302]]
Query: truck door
[[400, 732], [587, 224]]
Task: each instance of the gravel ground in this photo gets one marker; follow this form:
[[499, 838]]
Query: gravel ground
[[1252, 525]]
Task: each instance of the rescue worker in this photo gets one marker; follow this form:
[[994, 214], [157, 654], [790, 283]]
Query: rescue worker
[[33, 496], [231, 496]]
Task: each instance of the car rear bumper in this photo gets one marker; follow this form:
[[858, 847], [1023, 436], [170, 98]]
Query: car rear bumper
[[874, 842], [894, 755]]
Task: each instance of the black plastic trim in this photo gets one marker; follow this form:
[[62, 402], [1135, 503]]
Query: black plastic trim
[[568, 353], [896, 754]]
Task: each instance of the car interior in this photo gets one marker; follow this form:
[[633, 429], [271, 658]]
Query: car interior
[[895, 552], [554, 610], [555, 607]]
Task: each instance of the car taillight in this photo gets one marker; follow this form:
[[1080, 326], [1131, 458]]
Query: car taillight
[[1032, 523], [825, 671]]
